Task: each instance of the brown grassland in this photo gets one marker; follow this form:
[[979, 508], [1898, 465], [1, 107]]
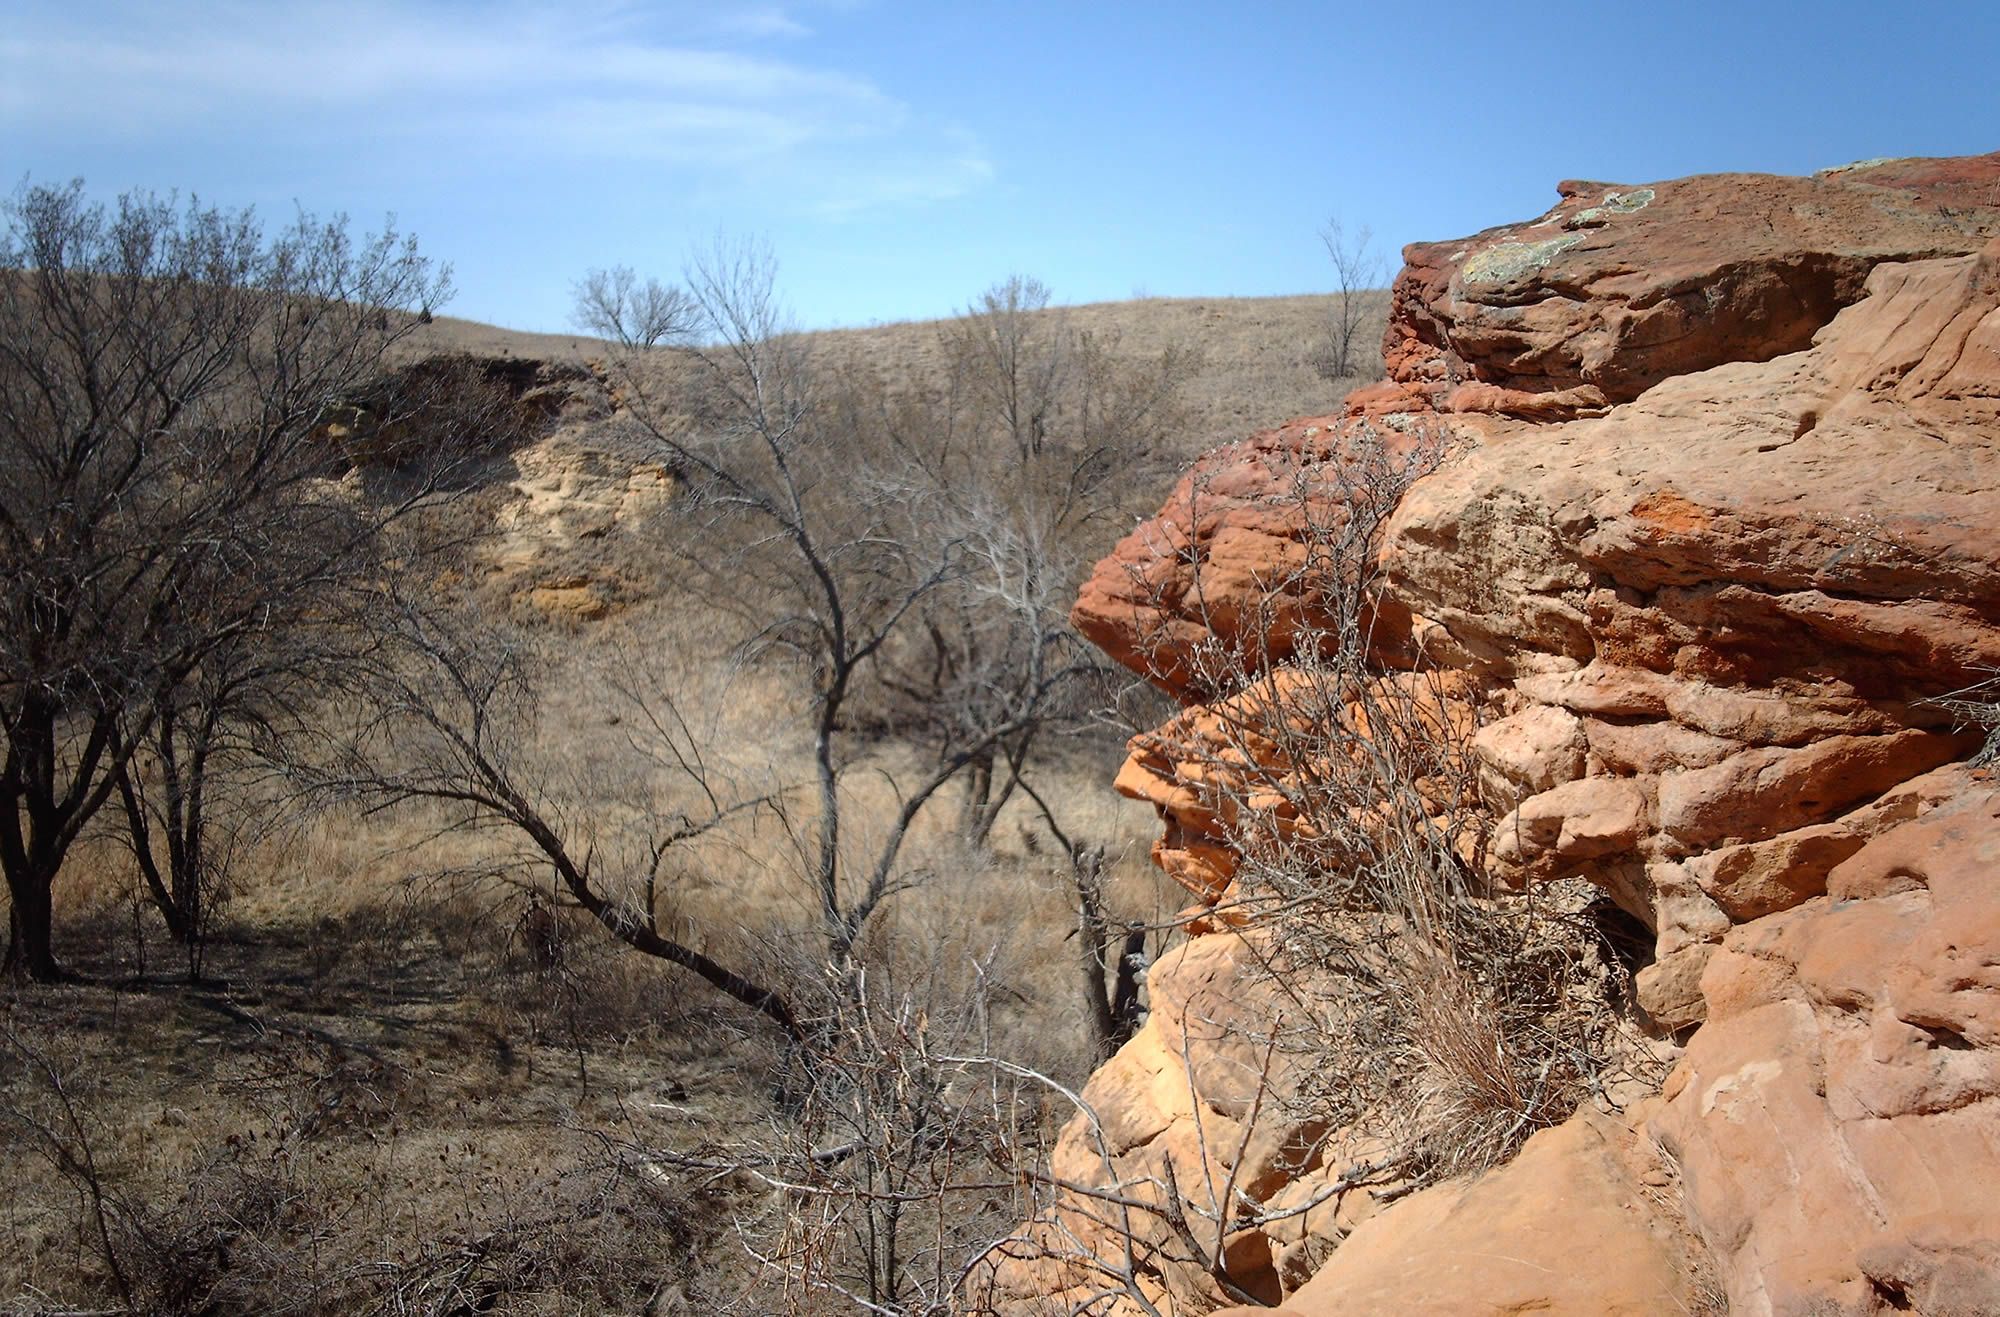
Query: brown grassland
[[401, 1086], [1258, 354]]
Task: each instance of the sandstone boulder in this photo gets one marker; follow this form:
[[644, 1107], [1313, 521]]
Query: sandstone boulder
[[1763, 792], [1618, 288], [1236, 566], [1566, 1228], [1535, 750], [1559, 831], [1762, 878], [1838, 1116]]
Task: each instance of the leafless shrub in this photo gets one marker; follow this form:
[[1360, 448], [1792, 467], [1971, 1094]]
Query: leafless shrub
[[1347, 788], [903, 1153], [1976, 706]]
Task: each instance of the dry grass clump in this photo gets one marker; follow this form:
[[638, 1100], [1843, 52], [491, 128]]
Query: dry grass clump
[[1447, 1020], [1449, 1024], [1497, 1029]]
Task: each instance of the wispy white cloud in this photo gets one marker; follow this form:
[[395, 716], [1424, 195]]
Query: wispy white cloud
[[952, 165], [585, 80], [763, 21]]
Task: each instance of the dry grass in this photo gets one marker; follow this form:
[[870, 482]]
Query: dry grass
[[373, 1104], [397, 1104], [1257, 354], [387, 1100]]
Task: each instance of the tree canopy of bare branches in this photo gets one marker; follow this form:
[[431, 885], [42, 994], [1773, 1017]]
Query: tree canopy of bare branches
[[1356, 270], [907, 551], [163, 495]]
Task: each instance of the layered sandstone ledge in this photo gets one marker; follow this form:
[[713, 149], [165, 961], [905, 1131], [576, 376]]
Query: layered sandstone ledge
[[1718, 512]]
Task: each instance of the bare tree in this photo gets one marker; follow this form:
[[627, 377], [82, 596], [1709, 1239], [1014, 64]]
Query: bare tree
[[190, 788], [1038, 439], [163, 373], [1356, 272], [450, 719], [206, 783], [838, 548], [644, 314], [1011, 359], [908, 562]]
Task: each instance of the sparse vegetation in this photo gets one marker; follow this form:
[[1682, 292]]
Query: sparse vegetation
[[1356, 318], [1977, 706], [843, 761], [1458, 1020]]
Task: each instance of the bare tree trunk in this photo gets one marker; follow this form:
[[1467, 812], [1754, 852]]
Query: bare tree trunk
[[37, 826], [30, 940], [1114, 1006], [149, 867], [974, 821], [1087, 866]]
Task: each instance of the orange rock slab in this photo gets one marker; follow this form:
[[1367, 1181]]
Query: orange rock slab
[[1565, 1229], [1838, 1116]]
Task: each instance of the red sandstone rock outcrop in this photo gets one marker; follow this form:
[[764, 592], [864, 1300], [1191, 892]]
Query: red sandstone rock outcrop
[[1618, 288], [1718, 510], [1218, 582]]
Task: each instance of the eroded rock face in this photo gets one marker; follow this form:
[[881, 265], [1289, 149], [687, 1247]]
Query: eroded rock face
[[577, 501], [1225, 578], [1700, 627], [1718, 511], [1838, 1117]]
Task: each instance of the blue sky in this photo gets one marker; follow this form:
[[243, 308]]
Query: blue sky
[[900, 157]]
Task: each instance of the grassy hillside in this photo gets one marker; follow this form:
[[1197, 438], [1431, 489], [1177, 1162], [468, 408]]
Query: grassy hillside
[[1257, 353]]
